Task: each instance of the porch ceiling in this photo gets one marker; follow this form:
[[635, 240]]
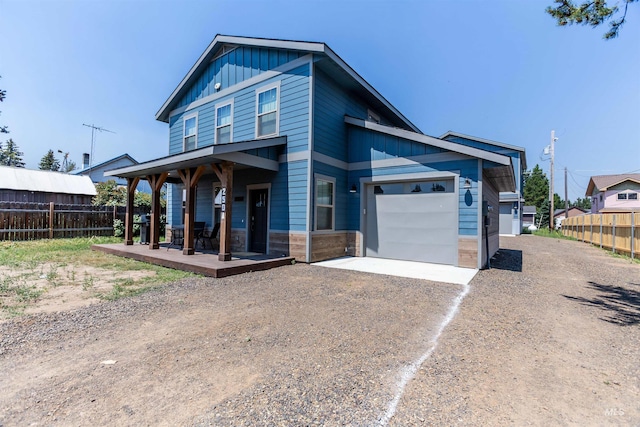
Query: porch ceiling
[[232, 152]]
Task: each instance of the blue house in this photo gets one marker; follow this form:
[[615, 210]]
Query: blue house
[[294, 153]]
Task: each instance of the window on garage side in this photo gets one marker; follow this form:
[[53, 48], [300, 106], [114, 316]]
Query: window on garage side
[[267, 117], [223, 124], [190, 133], [325, 201]]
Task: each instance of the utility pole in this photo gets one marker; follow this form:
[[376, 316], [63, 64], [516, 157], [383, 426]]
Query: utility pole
[[552, 220], [566, 195], [93, 138]]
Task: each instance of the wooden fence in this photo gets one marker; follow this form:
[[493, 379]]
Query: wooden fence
[[29, 221], [617, 232]]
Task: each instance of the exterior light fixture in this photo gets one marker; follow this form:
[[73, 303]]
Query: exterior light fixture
[[467, 183], [353, 189]]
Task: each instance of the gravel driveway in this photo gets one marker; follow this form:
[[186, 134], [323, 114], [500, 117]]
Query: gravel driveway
[[555, 343]]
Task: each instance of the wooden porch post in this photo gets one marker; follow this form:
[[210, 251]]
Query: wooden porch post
[[190, 178], [155, 181], [132, 183], [225, 175]]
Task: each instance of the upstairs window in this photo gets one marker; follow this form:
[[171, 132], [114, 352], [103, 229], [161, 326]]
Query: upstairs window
[[190, 133], [325, 199], [622, 196], [267, 117], [223, 124], [633, 196]]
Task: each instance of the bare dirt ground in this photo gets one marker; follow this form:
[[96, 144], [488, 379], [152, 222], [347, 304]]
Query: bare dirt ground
[[549, 337]]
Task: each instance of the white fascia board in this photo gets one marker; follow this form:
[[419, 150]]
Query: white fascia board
[[271, 43], [335, 58], [429, 140]]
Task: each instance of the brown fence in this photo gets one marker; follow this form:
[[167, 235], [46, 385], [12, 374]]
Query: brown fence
[[617, 232], [28, 221]]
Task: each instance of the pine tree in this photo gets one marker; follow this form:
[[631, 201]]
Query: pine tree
[[11, 156], [593, 13], [536, 187], [49, 162]]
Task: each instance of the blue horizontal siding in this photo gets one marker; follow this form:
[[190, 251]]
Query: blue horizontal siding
[[234, 67], [294, 114], [289, 197]]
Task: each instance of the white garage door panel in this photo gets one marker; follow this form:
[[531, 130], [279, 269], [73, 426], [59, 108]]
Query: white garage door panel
[[415, 227]]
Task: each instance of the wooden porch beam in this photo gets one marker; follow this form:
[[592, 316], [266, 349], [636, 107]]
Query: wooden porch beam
[[190, 178], [156, 182], [225, 174], [132, 183]]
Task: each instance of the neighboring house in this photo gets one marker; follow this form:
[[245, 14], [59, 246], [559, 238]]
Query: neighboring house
[[28, 185], [321, 164], [614, 193], [559, 214], [511, 202], [528, 216], [96, 172]]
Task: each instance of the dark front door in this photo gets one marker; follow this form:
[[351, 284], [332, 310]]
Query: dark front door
[[258, 209]]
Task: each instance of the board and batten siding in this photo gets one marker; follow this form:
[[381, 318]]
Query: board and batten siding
[[293, 114], [236, 66]]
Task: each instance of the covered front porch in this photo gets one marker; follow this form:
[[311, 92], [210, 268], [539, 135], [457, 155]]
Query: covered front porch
[[203, 262], [187, 168]]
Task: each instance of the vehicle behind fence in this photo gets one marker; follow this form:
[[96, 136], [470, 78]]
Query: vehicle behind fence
[[616, 232], [30, 221]]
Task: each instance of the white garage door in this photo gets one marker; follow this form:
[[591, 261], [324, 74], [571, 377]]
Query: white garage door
[[415, 221]]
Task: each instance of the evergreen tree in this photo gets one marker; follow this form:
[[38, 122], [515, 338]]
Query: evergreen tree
[[49, 162], [582, 203], [11, 156], [536, 187], [593, 13], [71, 166]]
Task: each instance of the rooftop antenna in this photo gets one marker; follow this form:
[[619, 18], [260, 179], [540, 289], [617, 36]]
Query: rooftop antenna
[[95, 128], [65, 161]]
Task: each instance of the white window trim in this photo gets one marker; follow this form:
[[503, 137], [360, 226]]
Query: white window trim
[[258, 92], [215, 121], [184, 121], [316, 178]]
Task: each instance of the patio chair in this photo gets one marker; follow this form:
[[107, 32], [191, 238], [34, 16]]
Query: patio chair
[[213, 235]]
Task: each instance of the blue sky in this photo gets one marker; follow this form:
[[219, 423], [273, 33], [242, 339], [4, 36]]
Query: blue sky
[[500, 70]]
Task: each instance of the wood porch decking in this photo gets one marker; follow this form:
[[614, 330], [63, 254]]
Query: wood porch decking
[[203, 262]]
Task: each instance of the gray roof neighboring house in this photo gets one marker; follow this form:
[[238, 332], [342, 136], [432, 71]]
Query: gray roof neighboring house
[[604, 182], [21, 179], [529, 210], [88, 170]]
